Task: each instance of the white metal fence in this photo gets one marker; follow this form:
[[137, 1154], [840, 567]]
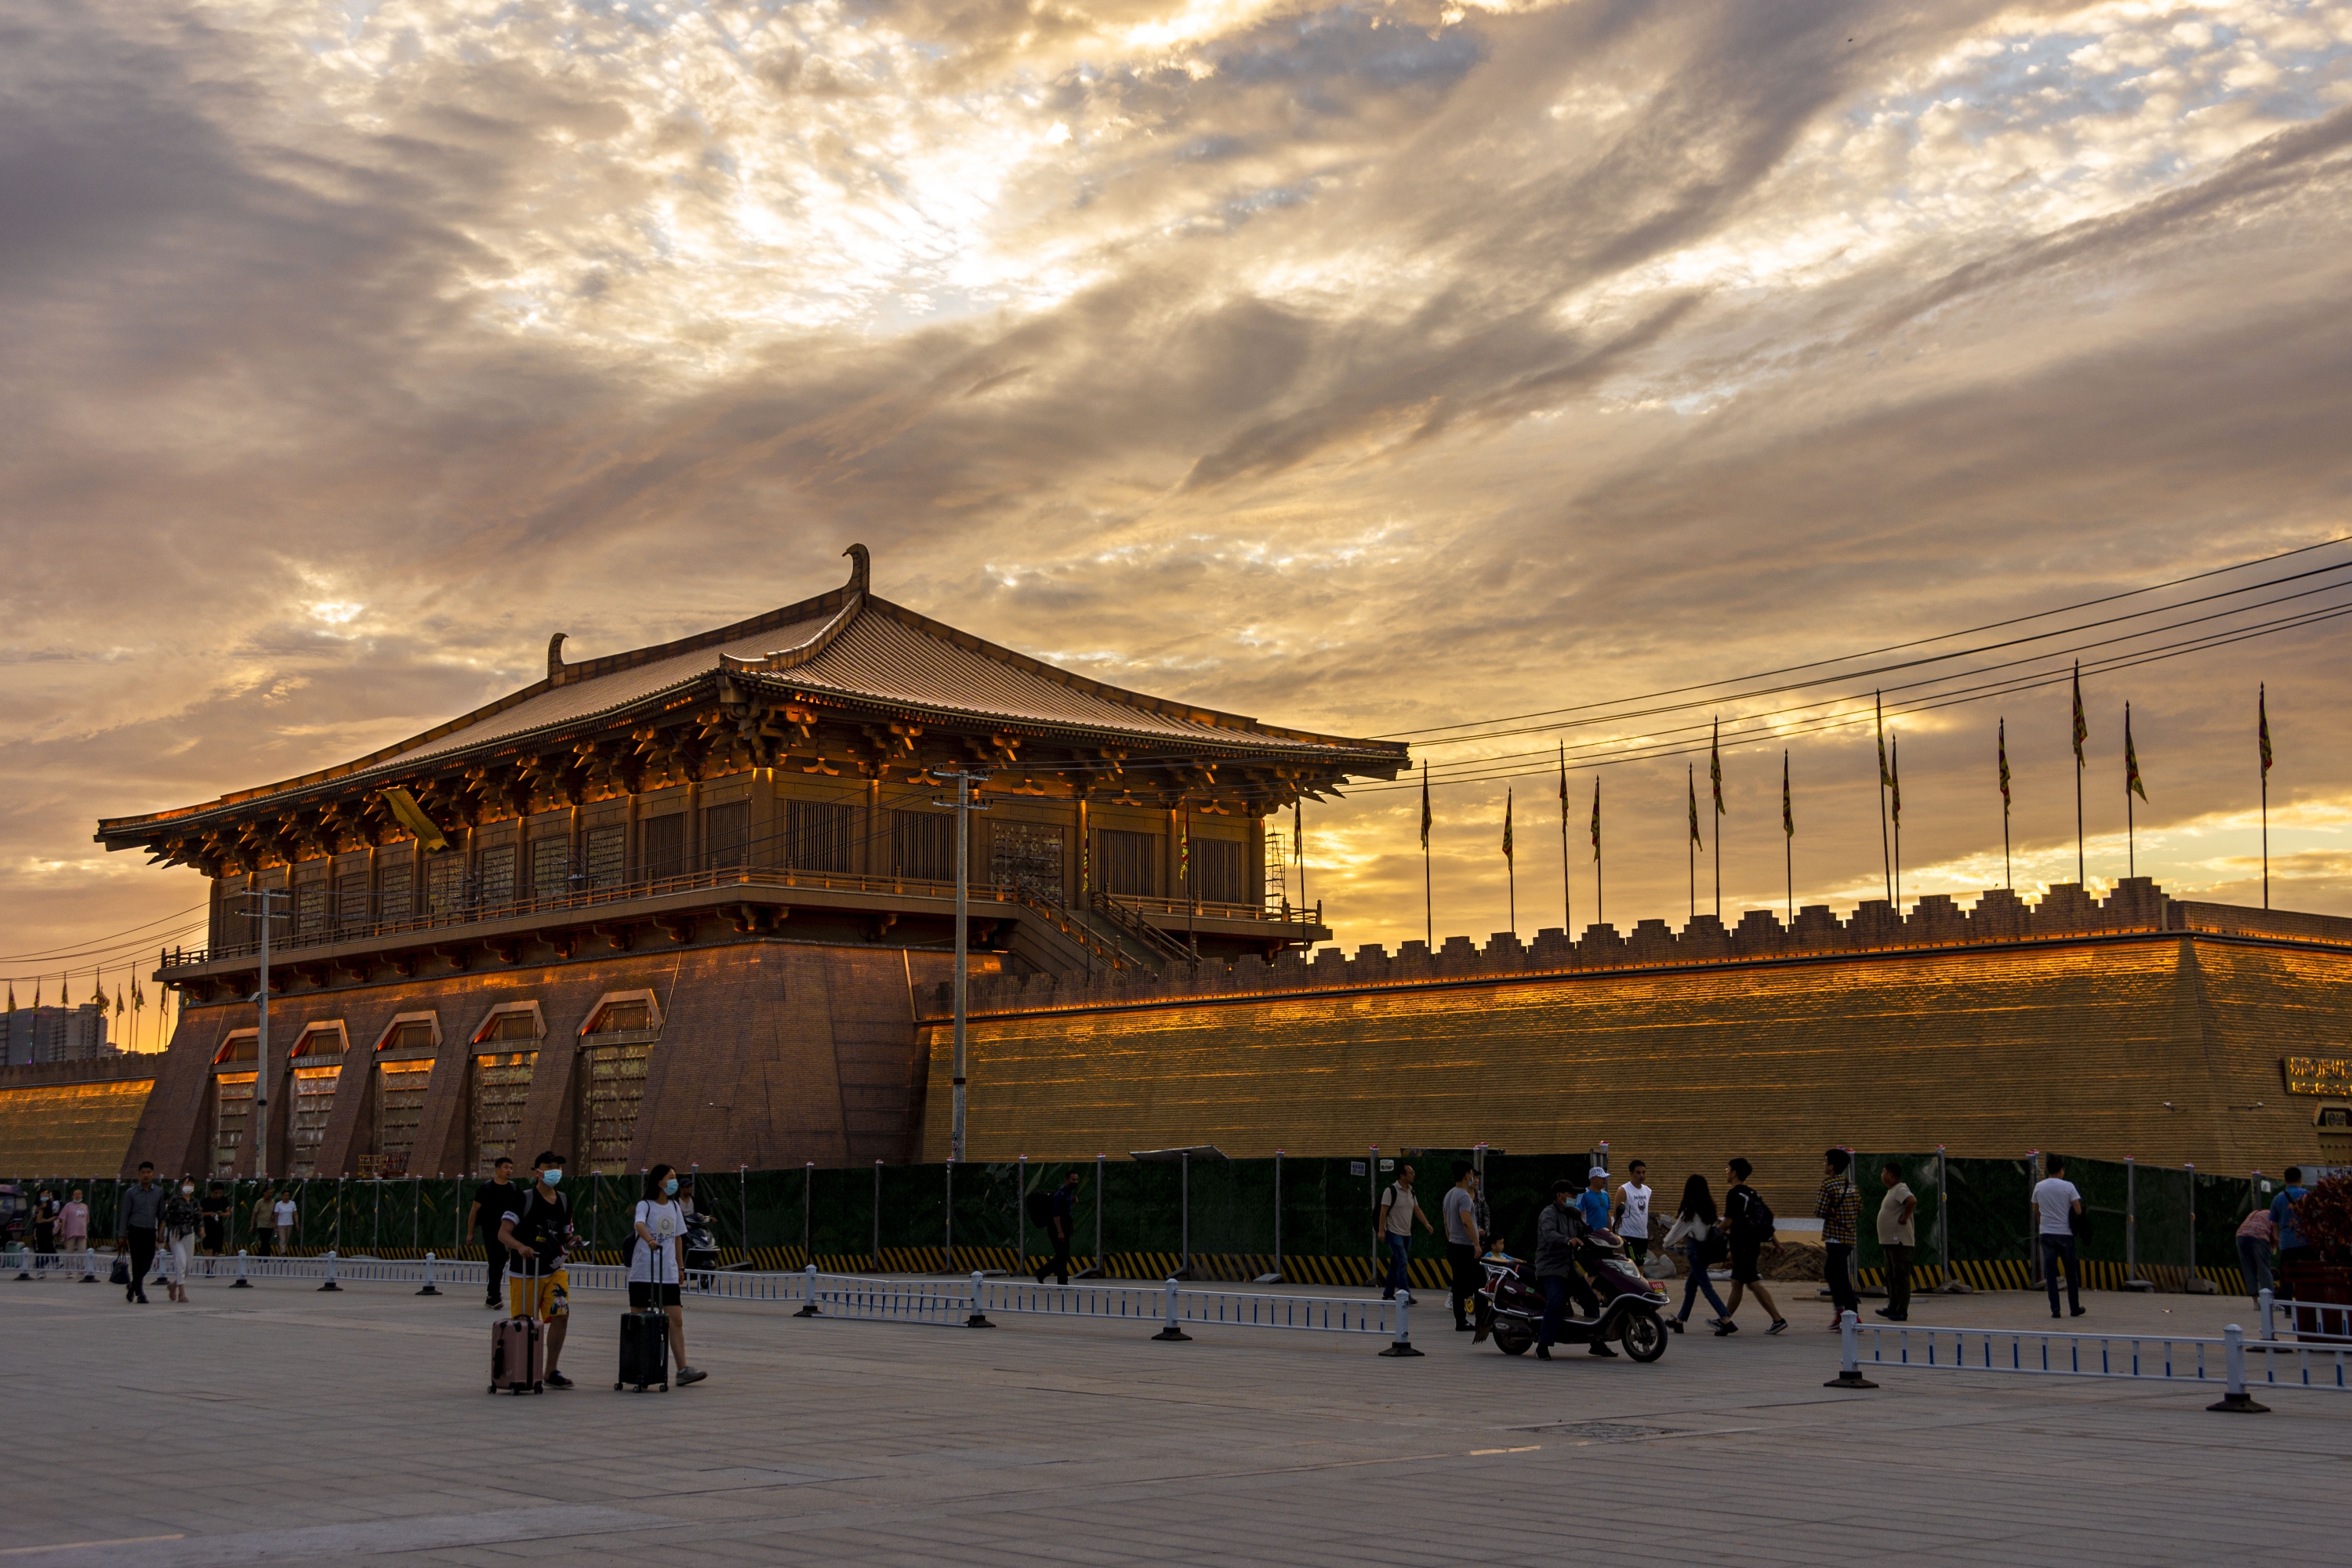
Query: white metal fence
[[2232, 1362], [1173, 1307]]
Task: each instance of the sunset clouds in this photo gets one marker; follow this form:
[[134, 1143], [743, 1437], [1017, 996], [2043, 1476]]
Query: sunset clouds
[[1365, 367]]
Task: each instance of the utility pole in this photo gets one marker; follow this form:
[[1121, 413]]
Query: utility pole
[[269, 897], [963, 806]]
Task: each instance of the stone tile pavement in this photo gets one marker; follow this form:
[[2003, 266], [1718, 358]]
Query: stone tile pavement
[[279, 1426]]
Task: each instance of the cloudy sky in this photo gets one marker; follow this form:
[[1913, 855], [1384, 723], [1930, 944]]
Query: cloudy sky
[[1369, 368]]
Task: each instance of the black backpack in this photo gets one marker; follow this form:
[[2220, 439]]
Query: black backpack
[[1755, 1219], [1040, 1205]]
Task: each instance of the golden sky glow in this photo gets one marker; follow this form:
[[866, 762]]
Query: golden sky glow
[[1360, 366]]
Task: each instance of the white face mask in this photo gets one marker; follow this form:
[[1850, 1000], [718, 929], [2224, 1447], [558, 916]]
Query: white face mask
[[187, 1192]]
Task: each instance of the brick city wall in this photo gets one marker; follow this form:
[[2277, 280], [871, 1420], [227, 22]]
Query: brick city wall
[[2067, 1036], [772, 1053]]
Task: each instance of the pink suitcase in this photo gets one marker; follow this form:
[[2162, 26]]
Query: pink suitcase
[[518, 1355]]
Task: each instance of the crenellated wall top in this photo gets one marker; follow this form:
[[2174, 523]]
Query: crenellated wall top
[[1998, 917]]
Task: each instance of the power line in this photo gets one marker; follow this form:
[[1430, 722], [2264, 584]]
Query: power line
[[1897, 647]]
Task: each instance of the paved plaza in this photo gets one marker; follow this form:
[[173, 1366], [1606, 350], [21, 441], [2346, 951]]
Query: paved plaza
[[281, 1424]]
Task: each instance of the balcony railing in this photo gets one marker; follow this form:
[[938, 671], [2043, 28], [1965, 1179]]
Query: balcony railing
[[589, 901]]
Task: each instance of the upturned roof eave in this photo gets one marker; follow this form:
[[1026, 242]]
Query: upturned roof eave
[[1342, 756]]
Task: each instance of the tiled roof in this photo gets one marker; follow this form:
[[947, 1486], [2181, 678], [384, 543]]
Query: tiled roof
[[847, 645]]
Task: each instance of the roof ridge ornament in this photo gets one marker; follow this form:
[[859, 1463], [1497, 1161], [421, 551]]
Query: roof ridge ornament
[[861, 572], [555, 658]]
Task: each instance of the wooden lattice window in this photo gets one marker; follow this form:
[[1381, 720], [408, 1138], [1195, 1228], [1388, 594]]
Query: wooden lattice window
[[1221, 870], [823, 837], [607, 857], [551, 868], [1027, 855], [922, 845], [501, 1084], [726, 834], [395, 885], [1131, 862], [495, 871]]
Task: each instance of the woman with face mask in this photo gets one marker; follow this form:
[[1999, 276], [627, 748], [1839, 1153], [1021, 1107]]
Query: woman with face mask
[[658, 1260], [182, 1218]]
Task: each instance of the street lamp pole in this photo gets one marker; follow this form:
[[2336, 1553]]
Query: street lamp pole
[[269, 897], [963, 806]]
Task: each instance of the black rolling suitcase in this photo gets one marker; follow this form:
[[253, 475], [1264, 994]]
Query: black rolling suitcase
[[644, 1341]]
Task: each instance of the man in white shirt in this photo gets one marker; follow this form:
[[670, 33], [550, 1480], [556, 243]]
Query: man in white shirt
[[2055, 1204], [1632, 1213]]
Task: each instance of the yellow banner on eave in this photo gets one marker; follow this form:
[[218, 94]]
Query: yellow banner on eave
[[412, 816]]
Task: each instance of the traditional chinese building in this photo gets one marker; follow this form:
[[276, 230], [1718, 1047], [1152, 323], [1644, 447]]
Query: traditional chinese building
[[679, 902]]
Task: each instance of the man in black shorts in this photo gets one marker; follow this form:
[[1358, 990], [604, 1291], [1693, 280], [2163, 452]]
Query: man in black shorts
[[492, 1199], [1749, 1232]]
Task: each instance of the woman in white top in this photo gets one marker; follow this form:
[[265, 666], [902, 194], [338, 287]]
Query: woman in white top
[[657, 1264], [1698, 1230]]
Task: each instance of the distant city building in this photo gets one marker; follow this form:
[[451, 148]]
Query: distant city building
[[58, 1035]]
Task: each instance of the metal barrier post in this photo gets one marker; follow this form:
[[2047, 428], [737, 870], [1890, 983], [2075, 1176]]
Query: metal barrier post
[[2193, 1275], [1184, 1217], [1276, 1275], [1850, 1355], [808, 1212], [1172, 1331], [1021, 1214], [2132, 1281], [240, 1282], [1402, 1345], [330, 1284], [1942, 1221], [877, 1216], [428, 1289], [2237, 1401], [978, 1320], [2267, 1303], [1101, 1269], [808, 1305], [948, 1215]]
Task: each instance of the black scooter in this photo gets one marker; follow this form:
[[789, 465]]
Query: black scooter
[[1511, 1305]]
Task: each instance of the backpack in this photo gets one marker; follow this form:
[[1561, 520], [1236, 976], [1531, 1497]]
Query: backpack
[[1040, 1205], [1755, 1218]]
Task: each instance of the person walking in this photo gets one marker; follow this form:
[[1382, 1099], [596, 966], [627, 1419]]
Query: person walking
[[137, 1216], [181, 1220], [1631, 1219], [73, 1234], [263, 1220], [1399, 1210], [44, 1229], [2055, 1205], [1699, 1231], [282, 1213], [537, 1229], [492, 1199], [1460, 1211], [215, 1232], [1896, 1237], [657, 1262], [2287, 1220], [1061, 1225], [1593, 1200], [1837, 1204], [1748, 1221], [2255, 1238]]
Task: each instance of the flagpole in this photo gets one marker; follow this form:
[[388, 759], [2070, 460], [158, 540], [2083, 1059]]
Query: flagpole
[[2082, 877], [2261, 707], [2131, 845], [1897, 873], [1428, 899], [1715, 786], [1788, 840], [1567, 891], [1690, 844], [1886, 863], [2006, 880], [1510, 864]]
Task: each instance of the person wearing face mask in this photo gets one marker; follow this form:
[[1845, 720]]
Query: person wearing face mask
[[536, 1230], [656, 1261], [182, 1218]]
